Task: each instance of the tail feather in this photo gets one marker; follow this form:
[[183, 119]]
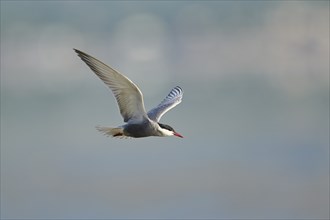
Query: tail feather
[[114, 132]]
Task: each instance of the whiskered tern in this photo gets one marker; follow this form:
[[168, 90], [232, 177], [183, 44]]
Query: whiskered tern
[[139, 123]]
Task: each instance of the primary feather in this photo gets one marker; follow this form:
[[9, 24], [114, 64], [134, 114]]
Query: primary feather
[[171, 100], [127, 94]]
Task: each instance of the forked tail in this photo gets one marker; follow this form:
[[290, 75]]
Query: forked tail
[[114, 132]]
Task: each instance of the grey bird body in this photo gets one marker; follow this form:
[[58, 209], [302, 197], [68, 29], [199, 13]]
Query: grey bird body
[[139, 123], [143, 129]]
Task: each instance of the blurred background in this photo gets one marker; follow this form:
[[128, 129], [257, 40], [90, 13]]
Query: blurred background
[[255, 113]]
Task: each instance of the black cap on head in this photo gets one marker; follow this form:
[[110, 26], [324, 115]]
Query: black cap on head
[[167, 127]]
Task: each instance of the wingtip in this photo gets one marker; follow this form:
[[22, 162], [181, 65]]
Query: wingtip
[[178, 87], [78, 51], [81, 54]]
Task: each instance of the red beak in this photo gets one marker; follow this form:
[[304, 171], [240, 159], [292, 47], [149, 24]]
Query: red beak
[[178, 135]]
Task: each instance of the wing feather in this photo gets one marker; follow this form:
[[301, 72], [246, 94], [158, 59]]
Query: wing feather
[[171, 100], [127, 94]]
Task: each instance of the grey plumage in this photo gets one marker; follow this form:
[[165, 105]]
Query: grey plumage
[[131, 105]]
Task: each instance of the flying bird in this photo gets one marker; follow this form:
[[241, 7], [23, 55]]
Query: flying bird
[[139, 123]]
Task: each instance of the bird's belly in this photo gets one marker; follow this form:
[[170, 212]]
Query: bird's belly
[[139, 130]]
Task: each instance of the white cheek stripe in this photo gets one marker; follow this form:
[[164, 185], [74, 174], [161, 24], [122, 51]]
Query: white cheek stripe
[[166, 132]]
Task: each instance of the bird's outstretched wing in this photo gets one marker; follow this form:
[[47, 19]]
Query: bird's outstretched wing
[[127, 94], [170, 101]]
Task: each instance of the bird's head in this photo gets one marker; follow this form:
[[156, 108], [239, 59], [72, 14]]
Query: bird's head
[[167, 130]]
